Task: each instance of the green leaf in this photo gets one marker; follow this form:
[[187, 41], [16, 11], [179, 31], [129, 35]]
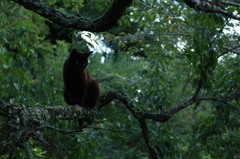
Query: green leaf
[[1, 79], [17, 86], [119, 125], [189, 57], [1, 34], [13, 100], [9, 78], [15, 65], [25, 89], [26, 101], [26, 65], [130, 117], [34, 53], [8, 89], [152, 63]]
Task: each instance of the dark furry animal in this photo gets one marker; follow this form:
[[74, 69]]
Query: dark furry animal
[[79, 86]]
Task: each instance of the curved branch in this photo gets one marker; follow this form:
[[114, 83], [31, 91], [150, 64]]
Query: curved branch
[[22, 122], [107, 21], [206, 6], [137, 113], [219, 99], [110, 96]]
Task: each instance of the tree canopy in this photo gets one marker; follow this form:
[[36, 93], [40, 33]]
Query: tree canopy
[[169, 73]]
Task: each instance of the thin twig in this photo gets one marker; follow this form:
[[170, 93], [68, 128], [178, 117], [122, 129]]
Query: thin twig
[[229, 50], [45, 143], [150, 145], [233, 92], [110, 130], [63, 131]]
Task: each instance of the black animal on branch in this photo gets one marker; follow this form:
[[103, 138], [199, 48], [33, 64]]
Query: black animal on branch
[[80, 87]]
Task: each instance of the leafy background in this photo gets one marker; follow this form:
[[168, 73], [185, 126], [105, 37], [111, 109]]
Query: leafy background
[[158, 54]]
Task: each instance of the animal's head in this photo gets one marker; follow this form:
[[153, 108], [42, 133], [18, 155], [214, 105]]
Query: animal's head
[[80, 60]]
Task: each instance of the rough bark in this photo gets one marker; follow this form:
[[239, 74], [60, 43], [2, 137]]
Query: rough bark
[[103, 23], [216, 6], [23, 122]]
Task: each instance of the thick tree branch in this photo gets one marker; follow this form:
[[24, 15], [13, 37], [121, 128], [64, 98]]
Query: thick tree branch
[[231, 3], [137, 113], [22, 122], [203, 5], [106, 22], [207, 6]]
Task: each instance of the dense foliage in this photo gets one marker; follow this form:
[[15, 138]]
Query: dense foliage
[[161, 54]]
